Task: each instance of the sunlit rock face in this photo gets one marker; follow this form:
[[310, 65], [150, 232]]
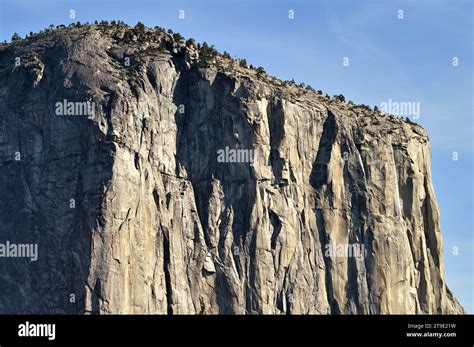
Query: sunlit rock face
[[152, 184]]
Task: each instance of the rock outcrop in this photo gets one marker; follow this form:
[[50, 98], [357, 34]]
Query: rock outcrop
[[155, 182]]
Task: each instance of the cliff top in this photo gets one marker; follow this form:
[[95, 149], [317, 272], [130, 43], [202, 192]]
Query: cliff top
[[121, 40]]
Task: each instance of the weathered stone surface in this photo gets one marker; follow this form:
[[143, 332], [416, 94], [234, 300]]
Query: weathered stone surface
[[161, 226]]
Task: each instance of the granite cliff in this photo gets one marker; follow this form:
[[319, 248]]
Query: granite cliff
[[157, 176]]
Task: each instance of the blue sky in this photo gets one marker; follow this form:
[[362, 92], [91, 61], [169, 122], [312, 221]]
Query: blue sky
[[407, 59]]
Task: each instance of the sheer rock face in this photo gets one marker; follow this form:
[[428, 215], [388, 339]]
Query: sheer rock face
[[158, 224]]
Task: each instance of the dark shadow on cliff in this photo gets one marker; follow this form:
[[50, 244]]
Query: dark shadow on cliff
[[318, 180], [52, 195], [212, 117]]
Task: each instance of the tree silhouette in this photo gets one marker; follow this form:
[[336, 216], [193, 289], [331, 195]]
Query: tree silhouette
[[16, 37], [190, 43]]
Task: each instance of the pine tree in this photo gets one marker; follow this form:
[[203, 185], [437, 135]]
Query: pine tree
[[190, 43], [16, 37], [178, 37], [260, 71]]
